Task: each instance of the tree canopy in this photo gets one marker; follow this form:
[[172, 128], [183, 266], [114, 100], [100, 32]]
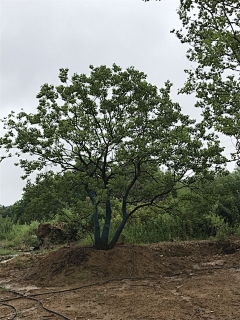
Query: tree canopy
[[48, 196], [212, 29], [113, 130]]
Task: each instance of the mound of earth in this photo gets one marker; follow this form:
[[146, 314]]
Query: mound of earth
[[176, 280]]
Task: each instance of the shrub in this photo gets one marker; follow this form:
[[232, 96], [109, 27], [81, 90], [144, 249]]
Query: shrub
[[6, 227]]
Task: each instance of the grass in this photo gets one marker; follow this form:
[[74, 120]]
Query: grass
[[87, 241], [20, 236], [166, 228], [4, 252]]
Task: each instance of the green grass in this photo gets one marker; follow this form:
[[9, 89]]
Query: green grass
[[5, 252], [20, 237], [87, 241]]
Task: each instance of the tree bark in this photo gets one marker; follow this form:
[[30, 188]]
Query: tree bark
[[106, 227], [95, 219], [118, 232], [123, 222]]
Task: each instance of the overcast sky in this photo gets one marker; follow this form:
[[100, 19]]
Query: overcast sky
[[39, 37]]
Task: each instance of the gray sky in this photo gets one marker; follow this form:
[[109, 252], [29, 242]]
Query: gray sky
[[38, 37]]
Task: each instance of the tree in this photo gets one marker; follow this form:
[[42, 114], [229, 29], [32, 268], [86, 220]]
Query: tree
[[113, 129], [220, 196], [227, 192], [212, 29], [48, 196], [4, 211]]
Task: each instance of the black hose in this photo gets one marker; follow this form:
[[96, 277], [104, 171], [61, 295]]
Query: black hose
[[119, 279], [65, 317], [9, 305], [28, 297]]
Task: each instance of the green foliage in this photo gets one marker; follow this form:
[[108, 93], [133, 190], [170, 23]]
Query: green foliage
[[48, 196], [220, 196], [5, 252], [5, 211], [78, 220], [212, 29], [227, 194], [21, 236], [150, 226], [6, 227]]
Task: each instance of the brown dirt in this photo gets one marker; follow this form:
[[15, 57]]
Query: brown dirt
[[180, 280]]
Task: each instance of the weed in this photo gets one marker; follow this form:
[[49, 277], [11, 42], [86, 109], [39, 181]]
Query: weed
[[21, 314], [3, 289], [84, 275]]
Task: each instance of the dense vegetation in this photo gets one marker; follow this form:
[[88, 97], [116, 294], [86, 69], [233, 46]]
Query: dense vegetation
[[206, 210]]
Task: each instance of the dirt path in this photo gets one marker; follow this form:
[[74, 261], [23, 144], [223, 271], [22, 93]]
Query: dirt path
[[186, 280]]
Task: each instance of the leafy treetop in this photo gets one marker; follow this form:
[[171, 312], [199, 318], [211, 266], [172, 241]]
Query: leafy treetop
[[212, 29]]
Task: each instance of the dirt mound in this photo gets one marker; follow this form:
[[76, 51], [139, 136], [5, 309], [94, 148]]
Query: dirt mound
[[195, 280], [51, 265], [68, 266], [203, 247]]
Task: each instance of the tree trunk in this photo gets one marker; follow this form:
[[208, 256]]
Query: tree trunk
[[95, 219], [102, 243], [118, 232], [106, 227], [123, 222]]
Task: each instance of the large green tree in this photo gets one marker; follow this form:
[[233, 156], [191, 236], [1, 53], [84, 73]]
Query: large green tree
[[212, 29], [113, 129]]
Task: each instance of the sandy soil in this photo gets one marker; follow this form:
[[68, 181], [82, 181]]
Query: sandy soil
[[178, 280]]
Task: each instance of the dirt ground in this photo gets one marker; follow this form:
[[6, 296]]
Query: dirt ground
[[172, 281]]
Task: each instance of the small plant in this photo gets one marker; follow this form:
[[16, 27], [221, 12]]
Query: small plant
[[21, 314], [84, 275], [29, 240], [3, 289]]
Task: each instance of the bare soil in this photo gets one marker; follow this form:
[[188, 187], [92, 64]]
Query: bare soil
[[178, 280]]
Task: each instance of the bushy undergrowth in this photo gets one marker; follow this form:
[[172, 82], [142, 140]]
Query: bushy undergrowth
[[16, 235], [146, 226], [167, 227], [6, 227]]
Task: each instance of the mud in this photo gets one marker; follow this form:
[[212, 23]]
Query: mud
[[172, 281]]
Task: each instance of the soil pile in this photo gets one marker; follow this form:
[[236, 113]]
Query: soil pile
[[179, 280]]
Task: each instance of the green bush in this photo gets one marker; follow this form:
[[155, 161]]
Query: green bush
[[21, 236], [78, 221], [156, 225], [6, 227]]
